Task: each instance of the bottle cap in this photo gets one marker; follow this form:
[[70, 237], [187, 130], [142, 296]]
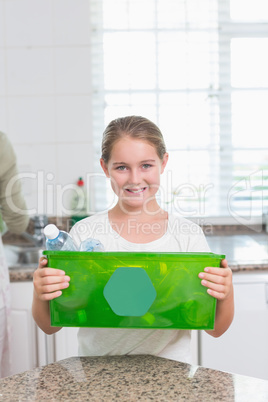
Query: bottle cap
[[80, 182], [51, 231]]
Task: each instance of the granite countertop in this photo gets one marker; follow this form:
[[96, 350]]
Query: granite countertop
[[244, 252], [21, 274], [129, 378]]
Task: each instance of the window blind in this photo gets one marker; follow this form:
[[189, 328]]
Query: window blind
[[198, 69]]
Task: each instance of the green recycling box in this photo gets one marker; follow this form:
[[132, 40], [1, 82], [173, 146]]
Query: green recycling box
[[133, 290]]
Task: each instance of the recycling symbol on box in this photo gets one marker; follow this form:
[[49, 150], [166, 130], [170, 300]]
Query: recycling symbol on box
[[129, 292]]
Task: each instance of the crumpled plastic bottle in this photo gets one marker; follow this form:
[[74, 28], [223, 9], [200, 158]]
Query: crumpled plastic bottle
[[91, 245]]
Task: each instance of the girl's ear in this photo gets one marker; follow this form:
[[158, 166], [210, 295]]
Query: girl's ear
[[104, 167], [164, 162]]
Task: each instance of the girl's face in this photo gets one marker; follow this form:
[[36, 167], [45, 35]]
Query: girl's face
[[134, 169]]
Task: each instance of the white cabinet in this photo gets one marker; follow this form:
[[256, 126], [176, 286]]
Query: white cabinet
[[23, 328], [243, 349], [59, 346], [66, 343], [30, 346], [194, 347]]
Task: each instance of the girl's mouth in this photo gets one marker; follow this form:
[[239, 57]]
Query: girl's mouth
[[135, 191]]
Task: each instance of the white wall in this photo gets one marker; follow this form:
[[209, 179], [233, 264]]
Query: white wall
[[45, 94]]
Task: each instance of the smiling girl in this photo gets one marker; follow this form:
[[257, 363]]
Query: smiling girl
[[133, 158]]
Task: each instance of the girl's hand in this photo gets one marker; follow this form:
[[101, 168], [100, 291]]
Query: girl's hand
[[48, 282], [218, 281]]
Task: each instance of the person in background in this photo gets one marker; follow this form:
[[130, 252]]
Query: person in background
[[133, 158], [13, 217]]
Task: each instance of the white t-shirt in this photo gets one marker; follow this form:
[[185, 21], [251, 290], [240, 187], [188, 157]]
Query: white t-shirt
[[182, 235]]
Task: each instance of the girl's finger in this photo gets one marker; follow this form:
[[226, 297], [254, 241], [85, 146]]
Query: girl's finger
[[217, 295], [214, 286], [51, 272], [224, 263], [217, 271], [54, 287], [42, 262], [212, 278], [51, 280], [50, 296]]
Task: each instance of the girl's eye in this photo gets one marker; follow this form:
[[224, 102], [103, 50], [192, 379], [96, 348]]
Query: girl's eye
[[121, 167], [146, 166]]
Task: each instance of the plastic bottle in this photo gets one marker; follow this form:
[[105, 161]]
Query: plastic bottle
[[58, 239], [91, 245]]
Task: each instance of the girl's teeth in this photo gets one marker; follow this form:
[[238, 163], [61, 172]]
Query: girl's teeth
[[136, 191]]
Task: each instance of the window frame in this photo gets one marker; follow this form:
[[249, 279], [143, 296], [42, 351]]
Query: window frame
[[227, 30]]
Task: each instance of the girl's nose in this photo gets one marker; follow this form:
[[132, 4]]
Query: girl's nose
[[134, 177]]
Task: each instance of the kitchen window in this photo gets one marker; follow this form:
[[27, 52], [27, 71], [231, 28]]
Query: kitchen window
[[198, 69]]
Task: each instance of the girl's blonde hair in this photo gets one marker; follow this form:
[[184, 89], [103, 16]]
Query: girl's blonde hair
[[135, 127]]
